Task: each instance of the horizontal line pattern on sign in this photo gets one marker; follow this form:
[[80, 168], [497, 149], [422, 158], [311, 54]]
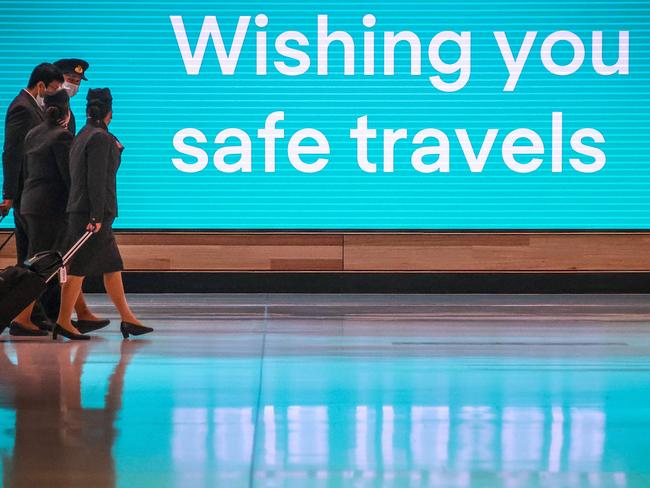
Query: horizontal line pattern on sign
[[132, 48]]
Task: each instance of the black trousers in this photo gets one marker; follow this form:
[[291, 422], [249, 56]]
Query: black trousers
[[44, 233], [47, 306]]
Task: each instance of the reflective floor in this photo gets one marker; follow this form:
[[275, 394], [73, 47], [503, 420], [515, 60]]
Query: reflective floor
[[329, 391]]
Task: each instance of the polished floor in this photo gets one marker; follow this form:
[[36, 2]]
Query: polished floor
[[337, 391]]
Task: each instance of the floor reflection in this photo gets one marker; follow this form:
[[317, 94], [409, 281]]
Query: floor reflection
[[182, 425], [305, 402], [57, 441], [561, 436]]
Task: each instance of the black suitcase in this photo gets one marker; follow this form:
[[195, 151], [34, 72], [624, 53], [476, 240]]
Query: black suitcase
[[20, 286]]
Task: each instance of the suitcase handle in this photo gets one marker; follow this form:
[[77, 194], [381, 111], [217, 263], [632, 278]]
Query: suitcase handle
[[70, 254], [76, 246]]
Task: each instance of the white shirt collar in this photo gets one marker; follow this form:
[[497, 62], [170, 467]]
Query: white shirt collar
[[33, 97]]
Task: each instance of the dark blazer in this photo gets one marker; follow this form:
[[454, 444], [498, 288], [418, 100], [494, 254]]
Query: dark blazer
[[72, 124], [46, 170], [94, 160], [23, 115]]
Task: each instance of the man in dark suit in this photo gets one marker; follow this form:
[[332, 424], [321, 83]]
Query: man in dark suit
[[24, 114], [74, 70]]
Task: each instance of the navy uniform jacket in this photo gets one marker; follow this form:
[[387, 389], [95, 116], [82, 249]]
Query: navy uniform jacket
[[72, 124], [46, 170], [23, 115], [94, 160]]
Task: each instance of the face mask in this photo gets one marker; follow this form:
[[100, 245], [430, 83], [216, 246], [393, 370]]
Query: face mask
[[40, 98], [71, 88]]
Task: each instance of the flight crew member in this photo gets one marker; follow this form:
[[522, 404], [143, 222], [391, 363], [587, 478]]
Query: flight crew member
[[24, 113], [46, 175], [74, 70], [94, 160]]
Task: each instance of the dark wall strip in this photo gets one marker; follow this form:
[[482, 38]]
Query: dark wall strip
[[191, 282]]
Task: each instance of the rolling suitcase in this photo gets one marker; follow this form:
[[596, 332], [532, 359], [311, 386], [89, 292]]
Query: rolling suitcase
[[20, 286]]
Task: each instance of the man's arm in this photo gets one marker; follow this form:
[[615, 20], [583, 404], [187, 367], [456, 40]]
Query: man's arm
[[16, 127]]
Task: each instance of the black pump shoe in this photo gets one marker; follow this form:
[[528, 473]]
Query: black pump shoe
[[85, 326], [18, 330], [128, 328], [66, 333], [44, 324]]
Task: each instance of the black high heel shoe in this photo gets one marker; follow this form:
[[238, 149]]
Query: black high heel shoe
[[127, 328], [67, 334], [17, 329], [85, 326]]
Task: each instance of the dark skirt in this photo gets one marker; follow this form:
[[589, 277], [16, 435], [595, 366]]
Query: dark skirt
[[99, 254], [44, 233]]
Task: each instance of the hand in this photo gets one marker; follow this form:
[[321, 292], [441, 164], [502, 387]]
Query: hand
[[94, 227], [5, 206]]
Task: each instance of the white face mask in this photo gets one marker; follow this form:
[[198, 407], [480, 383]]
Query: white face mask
[[71, 88], [40, 98]]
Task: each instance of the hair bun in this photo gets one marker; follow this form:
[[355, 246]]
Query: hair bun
[[57, 105], [53, 112], [99, 103]]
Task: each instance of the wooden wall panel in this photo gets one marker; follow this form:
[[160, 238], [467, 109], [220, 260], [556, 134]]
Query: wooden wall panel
[[223, 252], [498, 252], [232, 252], [358, 251]]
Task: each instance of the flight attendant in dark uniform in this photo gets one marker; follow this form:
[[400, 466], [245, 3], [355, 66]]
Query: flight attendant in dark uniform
[[45, 190], [92, 206]]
